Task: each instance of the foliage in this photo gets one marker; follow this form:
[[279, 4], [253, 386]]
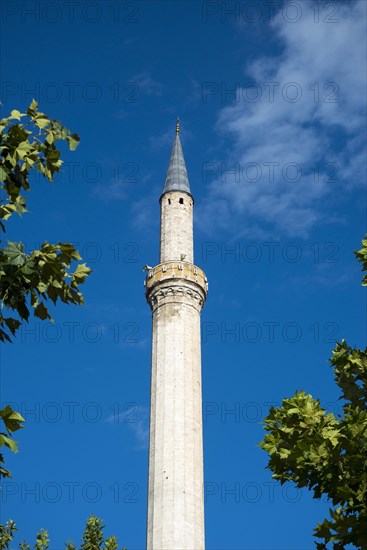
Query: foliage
[[38, 276], [328, 455], [7, 534], [42, 540], [29, 279], [361, 256], [93, 538], [12, 422]]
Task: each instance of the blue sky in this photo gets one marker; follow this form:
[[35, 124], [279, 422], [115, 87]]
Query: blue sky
[[271, 98]]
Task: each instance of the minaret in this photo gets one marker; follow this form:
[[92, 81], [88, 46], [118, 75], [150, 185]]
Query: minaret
[[176, 290]]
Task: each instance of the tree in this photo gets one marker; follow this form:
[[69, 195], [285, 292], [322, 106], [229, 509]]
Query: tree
[[28, 279], [328, 454], [93, 537]]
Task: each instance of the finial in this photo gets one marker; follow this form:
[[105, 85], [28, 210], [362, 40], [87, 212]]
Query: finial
[[177, 126]]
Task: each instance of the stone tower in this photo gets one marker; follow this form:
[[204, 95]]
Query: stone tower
[[176, 290]]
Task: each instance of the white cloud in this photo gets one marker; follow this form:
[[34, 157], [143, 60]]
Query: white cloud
[[145, 212], [146, 84], [161, 141], [165, 140], [112, 191], [323, 64], [137, 419], [127, 177]]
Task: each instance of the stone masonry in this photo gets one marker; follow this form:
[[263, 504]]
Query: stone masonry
[[176, 291]]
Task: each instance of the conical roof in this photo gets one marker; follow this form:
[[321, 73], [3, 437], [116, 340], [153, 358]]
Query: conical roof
[[177, 178]]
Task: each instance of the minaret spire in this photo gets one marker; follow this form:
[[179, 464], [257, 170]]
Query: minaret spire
[[177, 178]]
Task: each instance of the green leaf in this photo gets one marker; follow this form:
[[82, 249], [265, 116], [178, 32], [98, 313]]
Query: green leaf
[[69, 252], [16, 114], [42, 121], [73, 141], [3, 124], [81, 273], [50, 138], [33, 108], [12, 419], [3, 173], [14, 253], [8, 442], [23, 148], [42, 287], [41, 311], [12, 324]]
